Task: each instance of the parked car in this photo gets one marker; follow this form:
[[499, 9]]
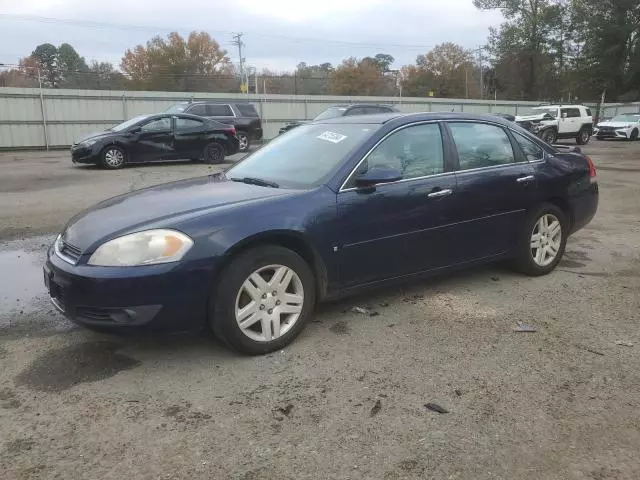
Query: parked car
[[331, 208], [242, 115], [350, 109], [625, 126], [150, 138], [553, 122]]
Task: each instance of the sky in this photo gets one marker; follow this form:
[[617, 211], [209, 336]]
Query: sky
[[278, 34]]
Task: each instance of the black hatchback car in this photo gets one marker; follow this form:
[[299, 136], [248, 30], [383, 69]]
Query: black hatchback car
[[150, 138], [328, 209], [347, 110]]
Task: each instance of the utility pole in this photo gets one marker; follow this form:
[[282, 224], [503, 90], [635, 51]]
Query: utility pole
[[481, 73], [237, 40]]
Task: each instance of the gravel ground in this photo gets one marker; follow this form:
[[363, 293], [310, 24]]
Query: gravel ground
[[347, 399]]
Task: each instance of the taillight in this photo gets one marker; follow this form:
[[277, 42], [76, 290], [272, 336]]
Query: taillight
[[592, 168], [232, 131]]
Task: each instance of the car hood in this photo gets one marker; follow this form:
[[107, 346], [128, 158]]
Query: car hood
[[614, 124], [93, 135], [531, 118], [159, 207]]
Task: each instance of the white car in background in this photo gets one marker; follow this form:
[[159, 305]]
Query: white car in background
[[553, 122], [625, 126]]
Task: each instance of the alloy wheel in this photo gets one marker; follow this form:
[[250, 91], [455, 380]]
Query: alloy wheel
[[114, 157], [269, 303], [215, 153], [243, 141], [546, 239]]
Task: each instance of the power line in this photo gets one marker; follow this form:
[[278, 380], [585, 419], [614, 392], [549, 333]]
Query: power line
[[91, 24]]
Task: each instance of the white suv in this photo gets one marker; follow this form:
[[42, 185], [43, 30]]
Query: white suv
[[553, 122], [625, 126]]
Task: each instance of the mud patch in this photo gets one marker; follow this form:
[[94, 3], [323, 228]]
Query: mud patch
[[340, 328], [8, 399], [577, 255], [61, 369], [19, 445], [571, 263]]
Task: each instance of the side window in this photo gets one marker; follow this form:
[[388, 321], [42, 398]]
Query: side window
[[187, 123], [161, 124], [200, 110], [413, 151], [247, 109], [218, 110], [589, 112], [574, 112], [480, 145], [532, 151]]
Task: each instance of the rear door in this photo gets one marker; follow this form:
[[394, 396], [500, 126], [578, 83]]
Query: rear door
[[190, 137], [402, 227], [154, 141], [496, 186]]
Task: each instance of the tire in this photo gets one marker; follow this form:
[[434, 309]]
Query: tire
[[634, 135], [113, 157], [232, 296], [583, 136], [243, 138], [214, 153], [549, 135], [527, 261]]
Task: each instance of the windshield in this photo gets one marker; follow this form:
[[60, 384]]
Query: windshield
[[626, 118], [540, 111], [128, 123], [305, 157], [178, 108], [331, 112]]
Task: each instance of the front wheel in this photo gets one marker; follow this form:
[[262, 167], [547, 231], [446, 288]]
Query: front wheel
[[634, 135], [542, 241], [214, 153], [549, 135], [583, 137], [263, 299], [112, 157], [243, 140]]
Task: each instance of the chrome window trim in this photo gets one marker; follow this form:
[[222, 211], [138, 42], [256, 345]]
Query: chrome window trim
[[366, 155]]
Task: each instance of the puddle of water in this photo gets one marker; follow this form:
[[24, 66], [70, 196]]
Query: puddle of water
[[23, 297], [60, 369]]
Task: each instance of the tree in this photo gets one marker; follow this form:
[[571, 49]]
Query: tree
[[523, 41], [447, 70], [356, 77], [45, 56], [382, 60], [197, 63], [313, 79]]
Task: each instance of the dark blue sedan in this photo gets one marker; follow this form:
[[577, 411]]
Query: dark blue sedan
[[323, 211]]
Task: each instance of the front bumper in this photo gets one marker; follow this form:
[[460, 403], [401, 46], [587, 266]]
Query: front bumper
[[169, 297], [80, 154], [621, 133]]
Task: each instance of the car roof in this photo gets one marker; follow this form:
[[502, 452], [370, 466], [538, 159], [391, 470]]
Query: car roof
[[381, 118], [175, 114], [558, 106]]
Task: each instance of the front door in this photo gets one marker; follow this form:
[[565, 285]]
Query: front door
[[570, 121], [398, 228], [496, 188], [154, 141]]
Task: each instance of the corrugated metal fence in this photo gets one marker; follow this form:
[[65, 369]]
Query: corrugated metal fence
[[49, 118]]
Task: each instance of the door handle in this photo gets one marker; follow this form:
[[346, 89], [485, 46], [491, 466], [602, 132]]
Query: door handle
[[528, 178], [440, 193]]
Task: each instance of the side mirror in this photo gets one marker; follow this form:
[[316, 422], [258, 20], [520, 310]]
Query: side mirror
[[135, 130], [376, 176]]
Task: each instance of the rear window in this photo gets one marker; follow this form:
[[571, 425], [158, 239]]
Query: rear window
[[589, 112], [219, 110], [247, 109]]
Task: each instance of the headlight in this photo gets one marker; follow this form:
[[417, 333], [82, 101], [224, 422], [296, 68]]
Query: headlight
[[142, 248], [88, 143]]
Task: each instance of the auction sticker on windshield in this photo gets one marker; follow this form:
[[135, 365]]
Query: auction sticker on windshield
[[332, 137]]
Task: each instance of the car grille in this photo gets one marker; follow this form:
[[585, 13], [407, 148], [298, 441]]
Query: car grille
[[69, 251], [94, 314], [607, 129]]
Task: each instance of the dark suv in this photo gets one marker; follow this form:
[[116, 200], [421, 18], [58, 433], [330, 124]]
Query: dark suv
[[344, 110], [242, 115]]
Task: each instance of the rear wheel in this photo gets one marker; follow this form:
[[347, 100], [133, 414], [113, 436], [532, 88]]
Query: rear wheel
[[263, 300], [583, 137], [214, 153], [113, 157], [542, 241], [243, 139], [549, 135]]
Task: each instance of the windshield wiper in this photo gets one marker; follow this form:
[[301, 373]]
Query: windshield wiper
[[256, 181]]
